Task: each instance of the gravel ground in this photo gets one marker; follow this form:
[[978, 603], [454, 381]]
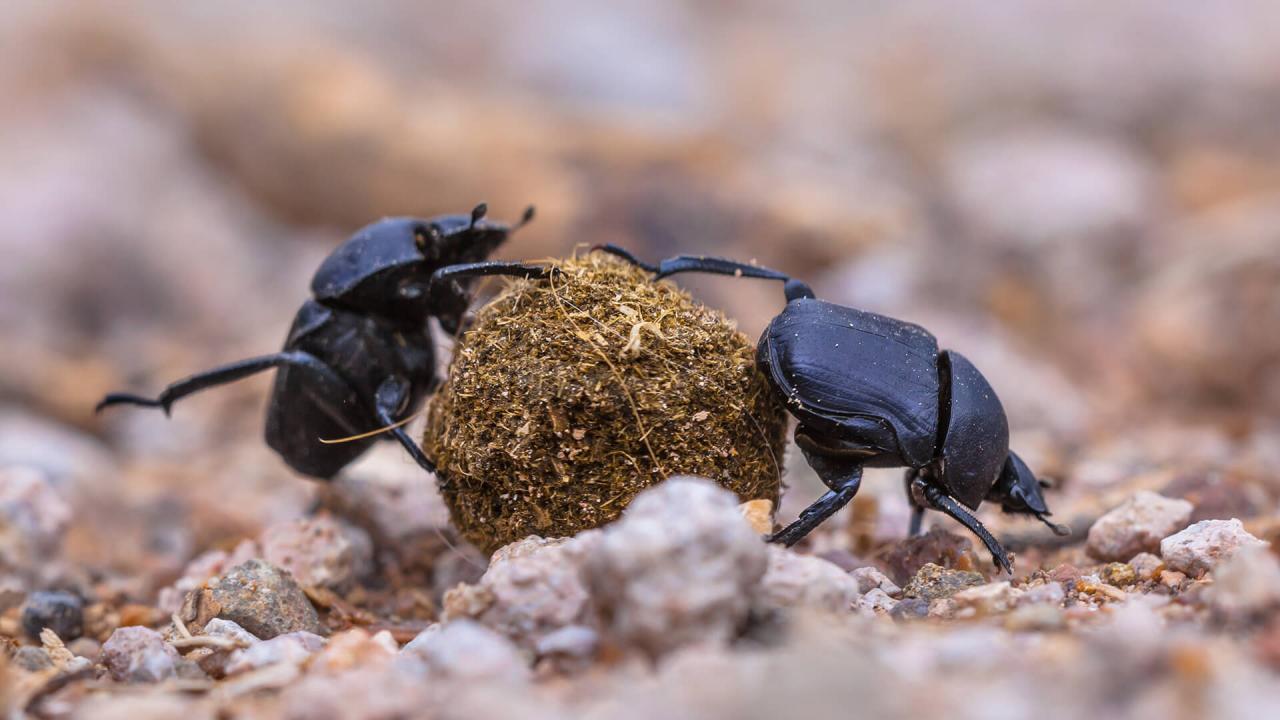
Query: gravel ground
[[1083, 200]]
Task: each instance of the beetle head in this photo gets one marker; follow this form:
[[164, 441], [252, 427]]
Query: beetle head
[[1018, 491], [384, 269]]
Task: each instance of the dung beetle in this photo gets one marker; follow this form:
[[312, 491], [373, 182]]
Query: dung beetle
[[871, 391], [359, 356]]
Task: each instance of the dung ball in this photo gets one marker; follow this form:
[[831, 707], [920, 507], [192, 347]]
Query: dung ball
[[569, 396]]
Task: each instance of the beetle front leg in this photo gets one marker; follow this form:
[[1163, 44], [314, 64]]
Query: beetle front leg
[[388, 401]]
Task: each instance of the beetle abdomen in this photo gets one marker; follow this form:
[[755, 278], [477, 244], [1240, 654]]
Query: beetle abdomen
[[835, 363]]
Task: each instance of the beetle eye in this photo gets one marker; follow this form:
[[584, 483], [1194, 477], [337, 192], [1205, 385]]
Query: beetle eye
[[425, 237], [410, 290]]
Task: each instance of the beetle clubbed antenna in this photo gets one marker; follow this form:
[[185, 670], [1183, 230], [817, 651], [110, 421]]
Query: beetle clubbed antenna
[[1059, 530], [549, 424], [478, 213]]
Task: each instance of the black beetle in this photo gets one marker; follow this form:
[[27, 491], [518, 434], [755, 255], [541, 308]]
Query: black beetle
[[359, 354], [872, 391]]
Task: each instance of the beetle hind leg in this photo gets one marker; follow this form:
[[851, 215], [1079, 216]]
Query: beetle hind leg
[[843, 477], [713, 265], [201, 381]]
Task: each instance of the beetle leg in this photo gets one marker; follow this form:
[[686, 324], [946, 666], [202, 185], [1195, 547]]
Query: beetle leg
[[943, 502], [917, 510], [843, 477], [210, 378], [449, 299], [716, 266], [388, 401]]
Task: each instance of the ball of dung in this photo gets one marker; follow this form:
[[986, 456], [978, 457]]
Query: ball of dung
[[569, 396]]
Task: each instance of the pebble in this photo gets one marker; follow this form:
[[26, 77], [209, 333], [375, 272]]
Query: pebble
[[61, 612], [1246, 587], [1172, 579], [319, 551], [33, 518], [679, 567], [794, 580], [294, 648], [933, 582], [1137, 525], [870, 578], [1204, 545], [264, 600], [1146, 565], [939, 547], [573, 642], [1118, 574], [758, 514], [139, 654], [355, 648], [532, 588], [910, 609], [1040, 616], [990, 599], [875, 601], [1051, 593], [201, 569], [32, 659], [468, 651]]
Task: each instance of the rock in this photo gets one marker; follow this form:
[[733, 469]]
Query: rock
[[293, 648], [1118, 574], [319, 551], [219, 627], [532, 588], [201, 569], [32, 659], [1050, 593], [1172, 579], [61, 612], [910, 609], [33, 518], [875, 601], [938, 547], [1200, 548], [468, 651], [933, 582], [990, 599], [758, 514], [138, 654], [1038, 616], [869, 578], [1246, 587], [794, 580], [570, 643], [1137, 525], [264, 600], [679, 567], [1146, 565], [355, 648]]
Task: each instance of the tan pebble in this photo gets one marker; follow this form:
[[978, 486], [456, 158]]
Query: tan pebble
[[758, 514]]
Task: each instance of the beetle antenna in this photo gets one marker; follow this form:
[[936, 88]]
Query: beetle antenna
[[1059, 530], [524, 219], [478, 213]]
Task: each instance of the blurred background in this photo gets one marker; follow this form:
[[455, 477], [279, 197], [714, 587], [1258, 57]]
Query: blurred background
[[1082, 197]]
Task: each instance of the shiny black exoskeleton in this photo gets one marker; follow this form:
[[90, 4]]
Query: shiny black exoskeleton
[[359, 356], [872, 391]]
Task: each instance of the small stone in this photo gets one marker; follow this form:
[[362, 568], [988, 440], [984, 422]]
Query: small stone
[[468, 651], [875, 601], [355, 648], [201, 569], [219, 627], [1038, 616], [990, 599], [939, 547], [293, 648], [910, 609], [84, 647], [794, 580], [577, 642], [1146, 565], [1050, 593], [319, 551], [61, 612], [1066, 573], [264, 600], [33, 518], [942, 608], [1200, 548], [1172, 579], [933, 582], [679, 567], [138, 654], [758, 514], [1120, 575], [32, 659], [1137, 525], [1246, 588], [869, 578]]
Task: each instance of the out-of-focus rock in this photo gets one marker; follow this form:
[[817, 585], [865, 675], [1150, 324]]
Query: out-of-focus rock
[[1137, 525], [138, 654], [569, 646], [759, 515], [1040, 616], [62, 455], [532, 588], [1246, 586], [32, 659], [1050, 593], [33, 518], [294, 648], [1120, 575], [319, 551], [468, 651], [1200, 548], [869, 578], [264, 600], [679, 567], [988, 599], [938, 547], [219, 627], [934, 582], [355, 648], [61, 612], [910, 609], [875, 601], [201, 569], [1146, 565], [794, 580]]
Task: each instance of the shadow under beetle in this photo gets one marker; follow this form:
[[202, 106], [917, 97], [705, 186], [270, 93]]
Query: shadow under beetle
[[359, 355], [871, 391]]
